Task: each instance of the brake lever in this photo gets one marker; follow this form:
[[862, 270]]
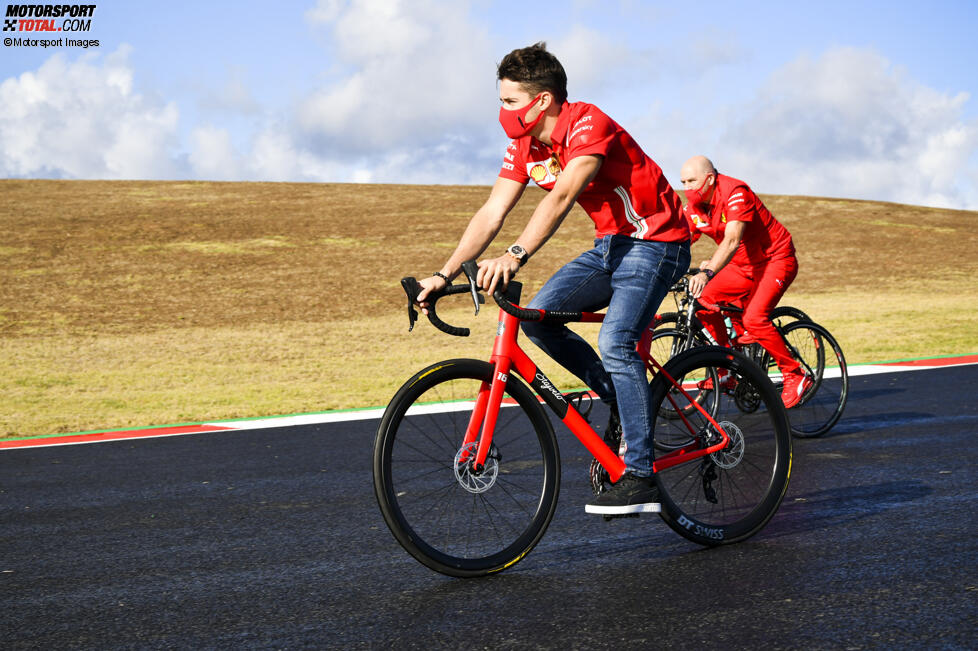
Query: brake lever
[[412, 288], [471, 270]]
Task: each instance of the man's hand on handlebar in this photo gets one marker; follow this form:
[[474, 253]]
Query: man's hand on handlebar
[[490, 275], [697, 282], [428, 285], [496, 274]]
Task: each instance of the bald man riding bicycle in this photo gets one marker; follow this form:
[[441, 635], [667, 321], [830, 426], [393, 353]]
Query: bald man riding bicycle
[[752, 267]]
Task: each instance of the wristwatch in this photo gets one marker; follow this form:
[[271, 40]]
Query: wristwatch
[[709, 273], [519, 253]]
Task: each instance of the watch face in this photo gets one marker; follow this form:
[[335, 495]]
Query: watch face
[[517, 250]]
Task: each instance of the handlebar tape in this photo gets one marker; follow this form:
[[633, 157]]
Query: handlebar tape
[[520, 313], [437, 322], [412, 288]]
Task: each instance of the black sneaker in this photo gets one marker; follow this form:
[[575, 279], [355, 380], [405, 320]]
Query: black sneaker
[[631, 494]]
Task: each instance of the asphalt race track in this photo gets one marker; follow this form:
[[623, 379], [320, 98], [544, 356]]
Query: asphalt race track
[[271, 538]]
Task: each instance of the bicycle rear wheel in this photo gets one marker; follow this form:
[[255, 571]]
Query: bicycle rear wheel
[[451, 517], [665, 345], [729, 495], [821, 357]]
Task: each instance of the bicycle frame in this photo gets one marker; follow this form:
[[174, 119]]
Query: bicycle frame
[[733, 312], [689, 325], [507, 357]]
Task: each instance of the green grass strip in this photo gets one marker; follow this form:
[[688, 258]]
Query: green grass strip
[[355, 410]]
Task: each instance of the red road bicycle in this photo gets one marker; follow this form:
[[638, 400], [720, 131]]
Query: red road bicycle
[[466, 465]]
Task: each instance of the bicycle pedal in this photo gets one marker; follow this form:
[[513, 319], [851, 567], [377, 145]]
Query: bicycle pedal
[[609, 518]]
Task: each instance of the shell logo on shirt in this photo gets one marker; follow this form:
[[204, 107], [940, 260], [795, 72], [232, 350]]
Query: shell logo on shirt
[[544, 172]]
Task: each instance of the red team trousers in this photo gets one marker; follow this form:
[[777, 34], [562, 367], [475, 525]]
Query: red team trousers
[[759, 288]]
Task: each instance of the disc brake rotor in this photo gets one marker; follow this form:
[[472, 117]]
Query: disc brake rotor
[[731, 455], [467, 477]]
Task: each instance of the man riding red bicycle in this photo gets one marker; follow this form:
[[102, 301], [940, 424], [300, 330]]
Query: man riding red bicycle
[[580, 155], [752, 267]]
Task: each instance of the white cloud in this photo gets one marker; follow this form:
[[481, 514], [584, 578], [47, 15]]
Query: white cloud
[[277, 157], [406, 94], [82, 119], [416, 72], [591, 59], [212, 156], [850, 124]]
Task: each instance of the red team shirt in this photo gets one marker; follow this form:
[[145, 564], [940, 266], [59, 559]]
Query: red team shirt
[[629, 196], [765, 239]]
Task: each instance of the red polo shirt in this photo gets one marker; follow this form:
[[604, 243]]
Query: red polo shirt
[[764, 239], [629, 196]]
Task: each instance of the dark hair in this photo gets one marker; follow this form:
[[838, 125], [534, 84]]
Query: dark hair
[[536, 70]]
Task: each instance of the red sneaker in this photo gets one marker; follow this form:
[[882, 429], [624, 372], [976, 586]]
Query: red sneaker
[[795, 386]]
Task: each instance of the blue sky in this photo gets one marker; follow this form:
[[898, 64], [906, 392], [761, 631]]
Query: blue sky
[[870, 100]]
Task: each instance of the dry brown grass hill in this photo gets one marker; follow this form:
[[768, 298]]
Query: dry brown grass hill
[[126, 304]]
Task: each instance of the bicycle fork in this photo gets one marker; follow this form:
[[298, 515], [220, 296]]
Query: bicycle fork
[[507, 357], [484, 418]]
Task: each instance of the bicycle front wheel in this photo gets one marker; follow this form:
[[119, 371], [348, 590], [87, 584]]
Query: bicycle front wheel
[[456, 519], [666, 343], [729, 495], [821, 357]]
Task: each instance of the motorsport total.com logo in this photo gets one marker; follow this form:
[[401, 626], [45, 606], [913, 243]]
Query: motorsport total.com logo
[[48, 18]]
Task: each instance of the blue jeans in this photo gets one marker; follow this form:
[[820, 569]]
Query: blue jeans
[[630, 277]]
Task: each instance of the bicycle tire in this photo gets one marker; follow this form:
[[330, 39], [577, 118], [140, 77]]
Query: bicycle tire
[[820, 355], [666, 343], [450, 519], [730, 495], [666, 320], [782, 315]]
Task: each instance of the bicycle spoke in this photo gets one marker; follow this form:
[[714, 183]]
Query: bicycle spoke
[[729, 494], [452, 516], [821, 357]]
